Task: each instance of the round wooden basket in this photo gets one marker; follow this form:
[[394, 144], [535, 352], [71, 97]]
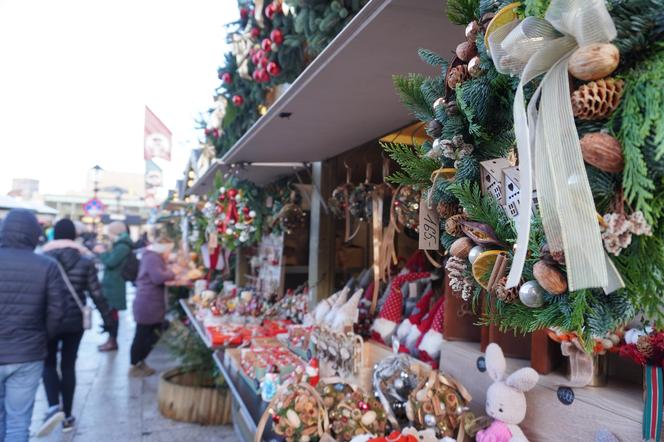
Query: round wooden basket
[[188, 396]]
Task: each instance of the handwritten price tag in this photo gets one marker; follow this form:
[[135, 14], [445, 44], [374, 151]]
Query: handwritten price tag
[[429, 227]]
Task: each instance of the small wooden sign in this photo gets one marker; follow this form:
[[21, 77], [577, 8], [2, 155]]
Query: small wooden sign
[[429, 229]]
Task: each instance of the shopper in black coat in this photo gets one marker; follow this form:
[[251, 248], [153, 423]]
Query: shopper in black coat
[[31, 310], [82, 273]]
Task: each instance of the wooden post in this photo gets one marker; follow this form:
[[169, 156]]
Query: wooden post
[[321, 233]]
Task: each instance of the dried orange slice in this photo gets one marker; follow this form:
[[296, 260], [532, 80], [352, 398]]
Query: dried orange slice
[[483, 266]]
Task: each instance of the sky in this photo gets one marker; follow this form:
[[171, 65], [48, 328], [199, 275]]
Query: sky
[[75, 76]]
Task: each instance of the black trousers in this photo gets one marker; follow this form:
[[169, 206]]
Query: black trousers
[[145, 338], [62, 384]]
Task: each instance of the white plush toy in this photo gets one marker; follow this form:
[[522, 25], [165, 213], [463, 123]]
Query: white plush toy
[[505, 399], [428, 435]]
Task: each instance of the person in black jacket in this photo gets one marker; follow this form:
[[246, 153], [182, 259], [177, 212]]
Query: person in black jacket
[[82, 273], [31, 311]]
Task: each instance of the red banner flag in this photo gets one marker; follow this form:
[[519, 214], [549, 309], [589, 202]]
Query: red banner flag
[[157, 138]]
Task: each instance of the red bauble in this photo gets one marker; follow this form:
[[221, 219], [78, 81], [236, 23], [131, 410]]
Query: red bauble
[[257, 57], [276, 418], [277, 7], [264, 77], [277, 36], [232, 193], [226, 77], [266, 44], [244, 13], [245, 210], [273, 69], [363, 406], [264, 61], [255, 33], [269, 11], [238, 100], [208, 131]]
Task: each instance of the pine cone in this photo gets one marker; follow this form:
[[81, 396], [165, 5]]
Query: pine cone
[[505, 294], [434, 128], [597, 100], [453, 224], [457, 75], [446, 210], [451, 108], [644, 346]]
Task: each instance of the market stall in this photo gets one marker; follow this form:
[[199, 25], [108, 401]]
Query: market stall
[[490, 255]]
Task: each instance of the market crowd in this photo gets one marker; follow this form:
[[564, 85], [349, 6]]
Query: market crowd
[[44, 288]]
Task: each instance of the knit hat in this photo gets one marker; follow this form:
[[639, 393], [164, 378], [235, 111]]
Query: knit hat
[[116, 228], [432, 341], [420, 310], [416, 261], [417, 331], [338, 302], [64, 229], [324, 307], [348, 313], [390, 314]]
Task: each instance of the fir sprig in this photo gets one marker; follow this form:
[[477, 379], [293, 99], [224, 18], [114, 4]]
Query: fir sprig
[[416, 168], [462, 12], [409, 88]]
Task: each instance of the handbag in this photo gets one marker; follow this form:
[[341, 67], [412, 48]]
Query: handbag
[[86, 311]]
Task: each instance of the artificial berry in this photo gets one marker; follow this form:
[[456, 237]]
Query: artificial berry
[[266, 44], [232, 193], [255, 33], [273, 69], [244, 13], [238, 100], [226, 77]]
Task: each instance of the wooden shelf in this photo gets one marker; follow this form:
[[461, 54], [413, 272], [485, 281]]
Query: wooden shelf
[[616, 407]]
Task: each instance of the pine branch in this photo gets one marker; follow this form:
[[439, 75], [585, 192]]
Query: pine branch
[[462, 12], [410, 93], [432, 58], [416, 168]]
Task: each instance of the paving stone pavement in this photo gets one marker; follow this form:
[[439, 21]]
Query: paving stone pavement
[[112, 407]]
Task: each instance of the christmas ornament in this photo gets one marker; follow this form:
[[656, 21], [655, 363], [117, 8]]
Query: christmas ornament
[[451, 108], [457, 75], [602, 151], [597, 100], [312, 372], [461, 248], [474, 253], [474, 68], [291, 217], [393, 381], [472, 30], [338, 202], [505, 294], [266, 45], [438, 102], [297, 413], [360, 201], [550, 278], [434, 128], [445, 210], [226, 78], [407, 206], [238, 100], [461, 284], [277, 36], [483, 267], [531, 294], [594, 61], [356, 414], [255, 33], [453, 224], [466, 50], [244, 13], [273, 69]]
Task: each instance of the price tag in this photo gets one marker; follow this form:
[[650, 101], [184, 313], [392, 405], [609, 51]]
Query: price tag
[[429, 227]]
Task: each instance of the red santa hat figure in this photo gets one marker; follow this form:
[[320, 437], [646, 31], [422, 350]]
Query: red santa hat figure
[[390, 315], [416, 332], [313, 372], [432, 341], [421, 309]]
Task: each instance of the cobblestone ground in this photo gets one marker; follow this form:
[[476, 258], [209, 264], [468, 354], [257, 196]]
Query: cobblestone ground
[[112, 407]]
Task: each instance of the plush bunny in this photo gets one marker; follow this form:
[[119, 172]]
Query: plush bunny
[[505, 399]]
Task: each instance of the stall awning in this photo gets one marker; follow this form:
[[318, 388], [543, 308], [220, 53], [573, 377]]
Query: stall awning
[[413, 134], [345, 97], [259, 173]]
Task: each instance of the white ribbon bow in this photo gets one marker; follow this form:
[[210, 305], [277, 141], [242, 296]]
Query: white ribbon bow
[[547, 140]]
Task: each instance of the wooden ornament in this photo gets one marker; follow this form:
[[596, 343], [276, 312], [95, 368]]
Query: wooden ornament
[[466, 50], [550, 278], [597, 100], [594, 61], [602, 151], [461, 247]]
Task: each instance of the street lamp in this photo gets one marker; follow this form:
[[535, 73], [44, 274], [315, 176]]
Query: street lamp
[[96, 175]]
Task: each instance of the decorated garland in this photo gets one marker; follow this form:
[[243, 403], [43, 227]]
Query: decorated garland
[[471, 160]]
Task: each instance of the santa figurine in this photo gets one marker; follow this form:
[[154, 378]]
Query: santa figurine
[[312, 372]]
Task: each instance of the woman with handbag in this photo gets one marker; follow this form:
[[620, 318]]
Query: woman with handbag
[[80, 276]]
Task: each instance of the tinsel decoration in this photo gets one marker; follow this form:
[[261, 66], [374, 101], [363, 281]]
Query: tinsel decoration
[[393, 381], [459, 282]]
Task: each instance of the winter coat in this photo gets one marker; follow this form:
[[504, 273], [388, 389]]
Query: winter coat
[[31, 291], [150, 301], [82, 274], [113, 285]]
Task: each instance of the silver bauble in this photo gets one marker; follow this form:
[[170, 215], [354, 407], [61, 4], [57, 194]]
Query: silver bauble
[[398, 383], [531, 294], [474, 253], [430, 420]]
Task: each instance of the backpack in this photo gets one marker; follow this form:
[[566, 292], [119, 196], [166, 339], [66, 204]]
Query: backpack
[[129, 271]]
